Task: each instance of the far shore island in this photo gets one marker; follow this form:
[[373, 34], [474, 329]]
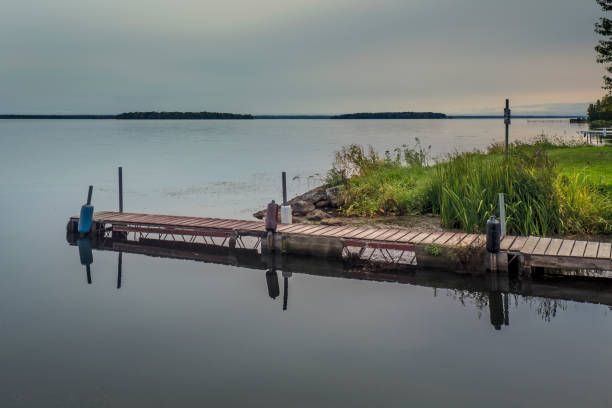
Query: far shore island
[[391, 115], [153, 115]]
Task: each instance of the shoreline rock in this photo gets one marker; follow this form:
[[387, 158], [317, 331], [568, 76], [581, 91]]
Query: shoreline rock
[[314, 205]]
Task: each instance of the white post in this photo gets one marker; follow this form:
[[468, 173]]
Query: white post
[[502, 215]]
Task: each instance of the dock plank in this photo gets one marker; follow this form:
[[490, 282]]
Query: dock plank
[[319, 232], [605, 249], [311, 230], [405, 237], [554, 246], [566, 247], [355, 233], [506, 242], [530, 245], [375, 235], [468, 240], [456, 239], [365, 233], [387, 234], [420, 237], [332, 230], [292, 227], [441, 240], [578, 250], [591, 250], [431, 238], [302, 228], [542, 246], [345, 232], [518, 243]]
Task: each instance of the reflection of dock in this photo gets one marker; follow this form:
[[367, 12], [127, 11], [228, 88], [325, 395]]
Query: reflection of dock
[[398, 246], [597, 291]]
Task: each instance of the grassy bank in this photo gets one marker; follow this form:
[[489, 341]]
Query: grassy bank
[[550, 188]]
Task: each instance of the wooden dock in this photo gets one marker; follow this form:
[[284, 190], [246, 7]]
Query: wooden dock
[[454, 250]]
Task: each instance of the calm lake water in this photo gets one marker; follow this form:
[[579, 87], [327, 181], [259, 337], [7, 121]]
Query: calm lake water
[[186, 333]]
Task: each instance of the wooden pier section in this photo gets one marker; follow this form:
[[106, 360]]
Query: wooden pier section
[[454, 250]]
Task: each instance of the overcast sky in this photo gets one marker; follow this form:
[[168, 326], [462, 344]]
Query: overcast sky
[[307, 56]]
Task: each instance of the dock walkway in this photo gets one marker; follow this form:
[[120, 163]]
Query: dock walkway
[[317, 239]]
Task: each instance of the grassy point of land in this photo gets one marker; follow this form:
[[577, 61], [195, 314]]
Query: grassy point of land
[[551, 188]]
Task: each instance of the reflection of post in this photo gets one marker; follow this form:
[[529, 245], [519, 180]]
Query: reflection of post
[[506, 311], [286, 276], [119, 262], [86, 255], [272, 281], [496, 309]]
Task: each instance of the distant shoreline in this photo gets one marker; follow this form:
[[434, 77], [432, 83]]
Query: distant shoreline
[[272, 117]]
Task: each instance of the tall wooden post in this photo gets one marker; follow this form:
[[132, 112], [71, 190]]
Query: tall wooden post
[[507, 114], [120, 189], [284, 188]]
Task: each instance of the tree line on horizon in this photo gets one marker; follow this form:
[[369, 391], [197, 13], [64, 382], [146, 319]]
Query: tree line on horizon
[[182, 115]]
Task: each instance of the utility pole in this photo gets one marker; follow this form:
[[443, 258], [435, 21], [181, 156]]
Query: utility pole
[[507, 115]]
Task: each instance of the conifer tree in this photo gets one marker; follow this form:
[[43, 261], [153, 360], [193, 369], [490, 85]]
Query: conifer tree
[[604, 46]]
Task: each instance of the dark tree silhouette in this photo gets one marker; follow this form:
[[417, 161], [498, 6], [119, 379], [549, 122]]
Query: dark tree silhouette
[[604, 47]]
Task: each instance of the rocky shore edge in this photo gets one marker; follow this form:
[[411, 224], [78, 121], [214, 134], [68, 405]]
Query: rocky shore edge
[[318, 204]]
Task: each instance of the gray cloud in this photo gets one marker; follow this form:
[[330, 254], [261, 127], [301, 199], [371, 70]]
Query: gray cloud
[[276, 56]]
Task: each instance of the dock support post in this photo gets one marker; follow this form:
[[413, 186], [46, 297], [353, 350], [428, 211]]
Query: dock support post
[[284, 187], [502, 215], [507, 114], [120, 189], [286, 217]]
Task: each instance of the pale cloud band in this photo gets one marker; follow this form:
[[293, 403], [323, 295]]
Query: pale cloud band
[[275, 56]]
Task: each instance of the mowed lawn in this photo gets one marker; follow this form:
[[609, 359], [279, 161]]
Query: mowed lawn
[[593, 161]]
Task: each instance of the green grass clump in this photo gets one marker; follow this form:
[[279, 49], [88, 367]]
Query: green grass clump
[[550, 187], [464, 191]]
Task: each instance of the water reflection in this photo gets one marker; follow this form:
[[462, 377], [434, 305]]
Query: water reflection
[[491, 292], [86, 256]]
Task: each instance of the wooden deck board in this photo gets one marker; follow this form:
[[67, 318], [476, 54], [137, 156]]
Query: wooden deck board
[[456, 239], [468, 240], [365, 233], [506, 242], [578, 250], [530, 245], [345, 232], [355, 232], [542, 246], [554, 246], [420, 237], [431, 238], [566, 247], [319, 231], [331, 231], [441, 240], [376, 234], [405, 237], [591, 250], [605, 249], [387, 234], [518, 244]]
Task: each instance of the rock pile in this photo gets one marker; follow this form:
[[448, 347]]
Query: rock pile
[[314, 205]]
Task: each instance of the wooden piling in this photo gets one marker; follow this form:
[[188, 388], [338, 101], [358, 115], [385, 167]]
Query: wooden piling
[[284, 188], [120, 189]]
